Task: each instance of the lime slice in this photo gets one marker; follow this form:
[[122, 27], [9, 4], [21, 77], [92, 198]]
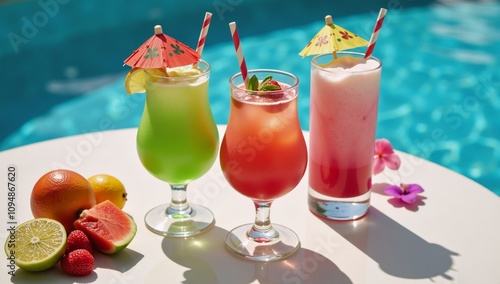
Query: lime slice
[[37, 244], [136, 79]]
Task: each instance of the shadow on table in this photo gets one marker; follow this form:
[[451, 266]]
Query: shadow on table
[[117, 264], [207, 261], [397, 250]]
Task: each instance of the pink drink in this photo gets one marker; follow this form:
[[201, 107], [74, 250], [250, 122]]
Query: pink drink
[[344, 104]]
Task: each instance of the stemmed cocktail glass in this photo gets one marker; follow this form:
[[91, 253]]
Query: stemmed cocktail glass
[[177, 142], [263, 156]]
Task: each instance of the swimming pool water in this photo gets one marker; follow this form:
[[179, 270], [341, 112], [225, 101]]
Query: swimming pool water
[[439, 92]]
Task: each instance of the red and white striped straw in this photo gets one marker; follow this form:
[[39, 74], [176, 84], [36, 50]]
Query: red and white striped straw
[[203, 33], [239, 52], [376, 31]]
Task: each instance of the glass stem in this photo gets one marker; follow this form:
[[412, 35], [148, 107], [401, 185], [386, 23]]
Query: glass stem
[[262, 231], [178, 204]]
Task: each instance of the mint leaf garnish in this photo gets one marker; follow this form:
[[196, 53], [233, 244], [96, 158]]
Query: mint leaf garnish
[[268, 84], [253, 83], [265, 81], [269, 87]]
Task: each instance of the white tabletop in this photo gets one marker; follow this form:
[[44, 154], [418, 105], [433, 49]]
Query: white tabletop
[[452, 236]]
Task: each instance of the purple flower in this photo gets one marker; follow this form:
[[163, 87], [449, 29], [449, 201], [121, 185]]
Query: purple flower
[[406, 192], [384, 156]]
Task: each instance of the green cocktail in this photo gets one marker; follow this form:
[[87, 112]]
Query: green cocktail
[[177, 142]]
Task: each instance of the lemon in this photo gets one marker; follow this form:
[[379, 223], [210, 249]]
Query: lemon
[[37, 244], [183, 71], [108, 187], [136, 79]]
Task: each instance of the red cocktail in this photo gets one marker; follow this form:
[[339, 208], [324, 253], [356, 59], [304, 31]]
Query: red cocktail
[[263, 156]]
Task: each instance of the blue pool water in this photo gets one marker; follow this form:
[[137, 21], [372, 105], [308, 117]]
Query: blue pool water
[[439, 95]]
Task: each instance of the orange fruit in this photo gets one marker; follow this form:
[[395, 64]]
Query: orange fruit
[[61, 195], [108, 187]]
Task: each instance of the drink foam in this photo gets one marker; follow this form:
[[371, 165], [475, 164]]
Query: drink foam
[[351, 64]]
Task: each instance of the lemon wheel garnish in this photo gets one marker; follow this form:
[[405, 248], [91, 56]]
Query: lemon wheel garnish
[[136, 79], [183, 71]]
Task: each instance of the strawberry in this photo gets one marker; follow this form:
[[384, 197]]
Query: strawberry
[[79, 262], [267, 87], [274, 82], [272, 85], [78, 240]]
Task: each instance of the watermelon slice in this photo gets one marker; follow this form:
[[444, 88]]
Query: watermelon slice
[[109, 229]]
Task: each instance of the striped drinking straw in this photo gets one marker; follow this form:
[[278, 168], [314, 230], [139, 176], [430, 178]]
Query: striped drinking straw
[[203, 33], [239, 52], [376, 31]]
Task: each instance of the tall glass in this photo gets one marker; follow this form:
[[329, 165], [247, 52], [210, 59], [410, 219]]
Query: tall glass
[[177, 142], [343, 116], [263, 156]]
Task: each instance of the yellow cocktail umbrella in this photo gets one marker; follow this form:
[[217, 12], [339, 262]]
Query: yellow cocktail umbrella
[[332, 38]]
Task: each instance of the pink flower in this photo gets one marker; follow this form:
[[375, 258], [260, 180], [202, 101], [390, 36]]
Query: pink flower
[[321, 40], [406, 192], [384, 156]]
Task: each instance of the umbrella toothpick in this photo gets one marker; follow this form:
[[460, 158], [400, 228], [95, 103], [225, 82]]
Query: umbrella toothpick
[[158, 30], [328, 20]]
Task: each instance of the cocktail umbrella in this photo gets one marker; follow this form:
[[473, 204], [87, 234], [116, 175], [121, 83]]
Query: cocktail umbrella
[[332, 38], [161, 51]]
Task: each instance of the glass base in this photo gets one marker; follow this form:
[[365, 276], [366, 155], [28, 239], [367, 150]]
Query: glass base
[[160, 222], [283, 245], [343, 209]]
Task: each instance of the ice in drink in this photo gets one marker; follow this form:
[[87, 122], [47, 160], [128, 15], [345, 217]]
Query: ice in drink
[[344, 103]]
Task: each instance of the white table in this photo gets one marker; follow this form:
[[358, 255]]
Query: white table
[[453, 236]]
